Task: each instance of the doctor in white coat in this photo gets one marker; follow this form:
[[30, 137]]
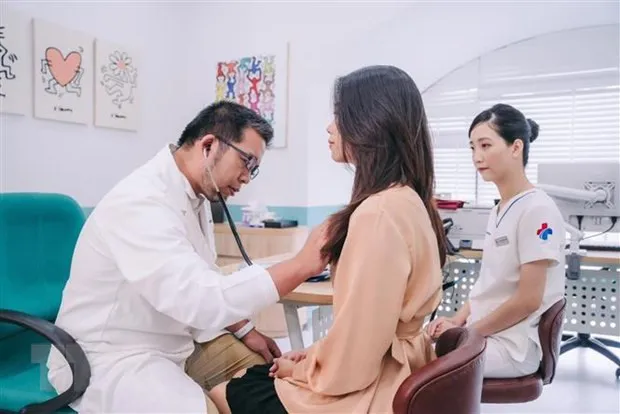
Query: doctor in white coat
[[522, 270], [144, 288]]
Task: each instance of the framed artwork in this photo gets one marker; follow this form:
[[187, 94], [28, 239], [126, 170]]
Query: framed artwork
[[15, 96], [117, 103], [63, 73], [258, 81]]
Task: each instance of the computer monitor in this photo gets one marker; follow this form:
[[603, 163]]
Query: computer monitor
[[570, 183], [469, 226]]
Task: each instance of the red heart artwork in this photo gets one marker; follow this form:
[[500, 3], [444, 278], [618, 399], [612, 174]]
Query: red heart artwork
[[63, 69]]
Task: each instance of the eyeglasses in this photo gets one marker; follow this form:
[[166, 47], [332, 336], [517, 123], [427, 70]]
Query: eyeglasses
[[250, 161]]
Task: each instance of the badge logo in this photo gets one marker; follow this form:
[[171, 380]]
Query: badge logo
[[544, 231], [501, 241]]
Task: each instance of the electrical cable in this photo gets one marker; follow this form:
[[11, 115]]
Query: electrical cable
[[613, 224]]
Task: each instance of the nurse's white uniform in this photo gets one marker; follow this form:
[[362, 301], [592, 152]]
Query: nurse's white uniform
[[143, 286], [529, 228]]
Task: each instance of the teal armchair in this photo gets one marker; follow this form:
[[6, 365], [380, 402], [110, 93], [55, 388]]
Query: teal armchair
[[38, 233]]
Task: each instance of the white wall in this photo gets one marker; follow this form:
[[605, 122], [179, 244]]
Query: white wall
[[310, 29], [84, 161], [327, 40], [182, 42]]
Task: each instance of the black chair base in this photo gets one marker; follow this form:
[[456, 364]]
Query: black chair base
[[600, 345]]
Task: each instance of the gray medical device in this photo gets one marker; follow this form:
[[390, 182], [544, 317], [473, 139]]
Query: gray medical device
[[588, 196]]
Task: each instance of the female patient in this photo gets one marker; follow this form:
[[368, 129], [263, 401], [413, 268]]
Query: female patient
[[522, 272], [386, 250]]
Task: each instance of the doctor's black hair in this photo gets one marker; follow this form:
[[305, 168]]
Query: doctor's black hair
[[226, 120], [510, 124]]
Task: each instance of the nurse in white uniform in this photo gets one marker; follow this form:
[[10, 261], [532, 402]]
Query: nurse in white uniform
[[144, 285], [522, 272]]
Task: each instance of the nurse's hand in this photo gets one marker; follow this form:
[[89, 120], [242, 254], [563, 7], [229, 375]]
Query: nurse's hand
[[263, 345]]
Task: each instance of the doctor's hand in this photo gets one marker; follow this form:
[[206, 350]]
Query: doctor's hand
[[309, 257], [309, 261], [261, 344]]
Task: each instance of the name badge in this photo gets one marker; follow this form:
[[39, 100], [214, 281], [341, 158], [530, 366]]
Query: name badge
[[501, 241]]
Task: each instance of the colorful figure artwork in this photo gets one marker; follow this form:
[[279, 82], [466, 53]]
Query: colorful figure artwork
[[255, 82], [116, 87], [63, 74], [14, 70]]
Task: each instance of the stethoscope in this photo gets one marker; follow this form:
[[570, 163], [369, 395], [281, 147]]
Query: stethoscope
[[231, 223]]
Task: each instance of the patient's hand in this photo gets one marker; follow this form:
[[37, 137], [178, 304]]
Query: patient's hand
[[295, 356], [281, 368]]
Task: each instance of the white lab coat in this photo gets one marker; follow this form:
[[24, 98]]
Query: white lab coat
[[143, 286], [530, 227]]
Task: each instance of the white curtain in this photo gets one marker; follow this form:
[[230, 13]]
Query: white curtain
[[568, 82]]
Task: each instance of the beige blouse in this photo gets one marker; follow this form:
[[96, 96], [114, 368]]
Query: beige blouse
[[387, 281]]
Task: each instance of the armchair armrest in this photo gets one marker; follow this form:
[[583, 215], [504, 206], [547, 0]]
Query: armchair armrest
[[452, 380], [70, 350]]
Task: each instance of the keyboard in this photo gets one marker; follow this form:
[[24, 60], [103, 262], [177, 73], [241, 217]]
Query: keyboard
[[601, 247], [324, 275], [607, 243], [471, 244]]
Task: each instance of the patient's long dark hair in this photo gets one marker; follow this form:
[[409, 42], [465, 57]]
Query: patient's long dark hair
[[381, 119]]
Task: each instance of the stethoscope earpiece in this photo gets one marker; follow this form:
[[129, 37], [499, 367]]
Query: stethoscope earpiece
[[209, 172]]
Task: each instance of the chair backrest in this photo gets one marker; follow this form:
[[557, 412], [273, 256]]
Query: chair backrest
[[452, 383], [550, 334], [38, 236]]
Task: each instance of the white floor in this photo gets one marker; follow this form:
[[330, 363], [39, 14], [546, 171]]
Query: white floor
[[585, 383]]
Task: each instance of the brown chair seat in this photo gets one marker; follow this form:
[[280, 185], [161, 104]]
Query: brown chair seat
[[529, 388], [452, 383], [512, 390]]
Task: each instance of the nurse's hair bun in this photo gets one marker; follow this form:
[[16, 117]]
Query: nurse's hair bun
[[534, 128], [510, 124]]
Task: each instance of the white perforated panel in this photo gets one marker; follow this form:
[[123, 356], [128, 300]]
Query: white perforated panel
[[322, 318], [592, 301], [465, 273]]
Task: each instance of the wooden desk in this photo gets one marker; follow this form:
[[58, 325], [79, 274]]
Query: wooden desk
[[260, 243], [306, 294], [315, 293], [321, 293]]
